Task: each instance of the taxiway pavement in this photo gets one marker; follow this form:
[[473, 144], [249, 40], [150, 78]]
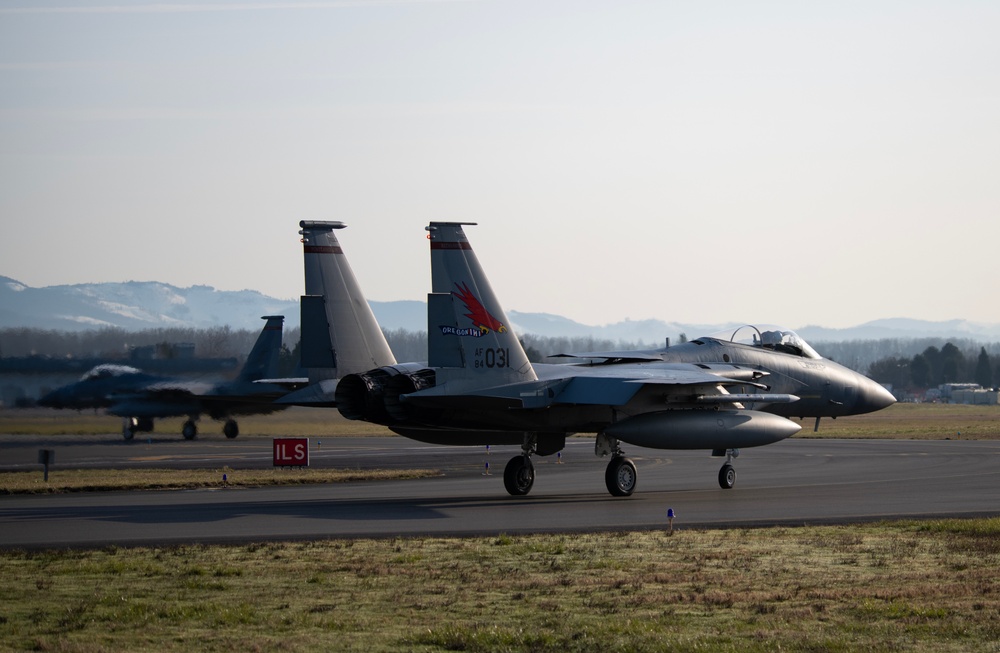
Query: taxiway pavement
[[797, 481]]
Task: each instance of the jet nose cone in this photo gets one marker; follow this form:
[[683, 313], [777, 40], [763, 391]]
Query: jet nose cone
[[873, 396]]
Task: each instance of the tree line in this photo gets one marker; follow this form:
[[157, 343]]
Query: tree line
[[909, 364], [933, 367], [115, 343]]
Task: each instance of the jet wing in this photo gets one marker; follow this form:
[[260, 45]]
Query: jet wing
[[617, 390], [167, 391], [617, 356], [184, 398], [612, 386]]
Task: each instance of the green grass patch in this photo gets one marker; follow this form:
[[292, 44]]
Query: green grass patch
[[911, 586]]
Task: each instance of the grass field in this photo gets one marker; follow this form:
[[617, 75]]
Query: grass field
[[932, 586], [906, 586], [913, 422]]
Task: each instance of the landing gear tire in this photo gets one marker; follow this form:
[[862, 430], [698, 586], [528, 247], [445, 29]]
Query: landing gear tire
[[231, 429], [128, 428], [189, 430], [519, 476], [621, 477], [727, 477]]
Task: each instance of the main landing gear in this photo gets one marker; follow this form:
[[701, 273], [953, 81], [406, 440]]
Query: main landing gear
[[519, 475], [727, 475], [620, 477], [132, 425], [190, 429]]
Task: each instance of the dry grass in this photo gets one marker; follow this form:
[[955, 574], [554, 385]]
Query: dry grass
[[931, 586], [97, 480], [913, 422], [322, 422]]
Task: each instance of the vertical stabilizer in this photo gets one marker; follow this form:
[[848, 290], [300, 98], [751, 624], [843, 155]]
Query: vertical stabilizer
[[351, 338], [468, 334], [262, 363]]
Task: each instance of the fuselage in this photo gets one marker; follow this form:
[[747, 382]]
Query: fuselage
[[824, 388]]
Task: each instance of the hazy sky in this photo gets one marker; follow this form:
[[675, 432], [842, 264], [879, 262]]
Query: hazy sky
[[789, 162]]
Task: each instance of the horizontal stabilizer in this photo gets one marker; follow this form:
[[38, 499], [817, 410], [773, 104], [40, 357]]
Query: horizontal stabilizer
[[317, 395]]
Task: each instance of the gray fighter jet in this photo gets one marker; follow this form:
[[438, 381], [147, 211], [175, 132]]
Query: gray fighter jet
[[718, 393], [139, 397]]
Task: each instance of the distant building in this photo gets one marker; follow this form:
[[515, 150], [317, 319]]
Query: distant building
[[948, 390], [977, 397], [184, 350], [143, 353]]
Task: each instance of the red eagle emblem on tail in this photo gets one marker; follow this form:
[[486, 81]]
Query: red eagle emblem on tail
[[480, 317]]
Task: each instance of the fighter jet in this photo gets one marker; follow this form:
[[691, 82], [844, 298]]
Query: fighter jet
[[478, 387], [339, 335], [139, 397]]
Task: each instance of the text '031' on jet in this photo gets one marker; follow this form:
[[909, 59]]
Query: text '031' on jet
[[720, 393]]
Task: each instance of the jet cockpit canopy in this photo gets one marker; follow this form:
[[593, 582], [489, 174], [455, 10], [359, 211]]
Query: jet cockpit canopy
[[107, 371], [768, 336]]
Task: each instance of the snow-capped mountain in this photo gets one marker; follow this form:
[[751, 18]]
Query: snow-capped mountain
[[137, 305]]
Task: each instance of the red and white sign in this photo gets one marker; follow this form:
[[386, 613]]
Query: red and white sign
[[291, 452]]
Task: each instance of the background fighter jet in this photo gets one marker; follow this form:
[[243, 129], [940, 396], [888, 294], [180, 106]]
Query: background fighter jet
[[339, 335], [478, 387], [139, 397]]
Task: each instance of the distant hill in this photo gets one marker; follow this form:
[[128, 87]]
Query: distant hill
[[135, 305], [904, 328], [138, 305]]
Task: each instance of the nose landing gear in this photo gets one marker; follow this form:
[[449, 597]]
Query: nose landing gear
[[727, 475]]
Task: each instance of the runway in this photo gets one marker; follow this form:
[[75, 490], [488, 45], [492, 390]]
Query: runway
[[798, 481]]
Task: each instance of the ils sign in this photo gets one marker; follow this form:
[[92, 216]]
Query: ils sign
[[291, 452]]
